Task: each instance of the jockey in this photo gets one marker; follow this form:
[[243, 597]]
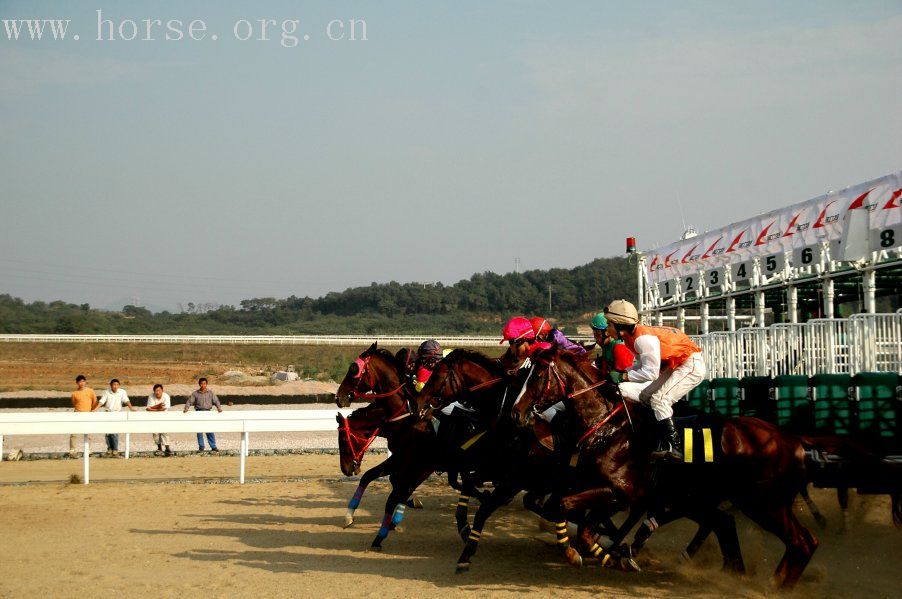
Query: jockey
[[668, 360], [518, 332], [545, 332], [428, 355], [614, 358]]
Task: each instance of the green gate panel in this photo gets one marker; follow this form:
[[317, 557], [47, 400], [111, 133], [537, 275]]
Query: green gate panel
[[834, 410], [757, 399], [698, 399], [879, 408], [725, 396], [793, 405]]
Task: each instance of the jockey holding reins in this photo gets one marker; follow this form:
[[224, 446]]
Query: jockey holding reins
[[669, 364]]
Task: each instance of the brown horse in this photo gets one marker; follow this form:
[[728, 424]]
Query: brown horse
[[377, 376], [760, 469]]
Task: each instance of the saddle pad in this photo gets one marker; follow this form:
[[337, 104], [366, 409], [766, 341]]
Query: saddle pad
[[699, 445]]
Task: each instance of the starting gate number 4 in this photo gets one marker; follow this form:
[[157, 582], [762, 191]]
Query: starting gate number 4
[[742, 271]]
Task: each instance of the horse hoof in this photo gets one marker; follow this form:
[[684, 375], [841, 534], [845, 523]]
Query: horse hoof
[[685, 557], [376, 548], [573, 557], [629, 565], [415, 503], [462, 567], [465, 533], [348, 522]]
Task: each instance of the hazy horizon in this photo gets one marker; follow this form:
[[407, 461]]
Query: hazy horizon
[[455, 139]]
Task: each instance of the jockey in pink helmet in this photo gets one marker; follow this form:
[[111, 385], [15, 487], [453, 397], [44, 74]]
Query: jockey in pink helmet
[[518, 332]]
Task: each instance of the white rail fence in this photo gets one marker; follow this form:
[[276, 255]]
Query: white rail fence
[[360, 340], [243, 421], [861, 343]]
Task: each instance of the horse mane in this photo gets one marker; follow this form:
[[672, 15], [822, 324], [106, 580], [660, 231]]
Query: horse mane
[[490, 364]]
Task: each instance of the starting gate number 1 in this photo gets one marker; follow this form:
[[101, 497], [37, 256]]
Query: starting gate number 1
[[667, 288]]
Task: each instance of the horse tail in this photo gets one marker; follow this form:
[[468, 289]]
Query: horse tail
[[843, 447]]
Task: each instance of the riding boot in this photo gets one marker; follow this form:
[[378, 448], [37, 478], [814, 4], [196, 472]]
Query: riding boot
[[671, 446]]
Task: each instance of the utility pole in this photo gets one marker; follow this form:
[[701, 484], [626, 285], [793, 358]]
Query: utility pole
[[549, 299], [516, 266]]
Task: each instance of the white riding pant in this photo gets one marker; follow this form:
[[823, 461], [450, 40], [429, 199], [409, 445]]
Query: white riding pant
[[632, 389], [673, 385]]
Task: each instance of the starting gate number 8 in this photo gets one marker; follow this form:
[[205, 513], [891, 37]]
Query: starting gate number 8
[[887, 238]]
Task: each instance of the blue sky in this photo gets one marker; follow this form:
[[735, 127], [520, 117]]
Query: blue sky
[[459, 136]]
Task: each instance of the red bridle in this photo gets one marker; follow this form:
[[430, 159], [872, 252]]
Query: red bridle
[[363, 443], [363, 366], [597, 426]]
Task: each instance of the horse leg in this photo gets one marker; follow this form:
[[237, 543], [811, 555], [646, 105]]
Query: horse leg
[[369, 476], [724, 526], [842, 494], [800, 543], [461, 516], [812, 507], [499, 496], [396, 503], [897, 509]]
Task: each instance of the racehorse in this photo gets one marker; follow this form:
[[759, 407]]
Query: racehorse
[[375, 375], [760, 469]]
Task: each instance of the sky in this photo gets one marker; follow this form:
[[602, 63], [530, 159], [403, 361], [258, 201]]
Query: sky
[[456, 138]]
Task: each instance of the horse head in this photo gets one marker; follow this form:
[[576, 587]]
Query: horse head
[[355, 434], [457, 375], [374, 370]]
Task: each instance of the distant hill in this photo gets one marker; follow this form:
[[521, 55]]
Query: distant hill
[[471, 306]]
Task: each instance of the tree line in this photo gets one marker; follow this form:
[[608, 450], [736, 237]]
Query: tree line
[[477, 305]]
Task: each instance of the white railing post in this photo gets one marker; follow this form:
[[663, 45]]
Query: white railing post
[[127, 444], [87, 453], [1, 448], [242, 457]]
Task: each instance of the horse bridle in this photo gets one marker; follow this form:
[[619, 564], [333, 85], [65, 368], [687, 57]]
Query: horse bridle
[[595, 428], [363, 365], [363, 443]]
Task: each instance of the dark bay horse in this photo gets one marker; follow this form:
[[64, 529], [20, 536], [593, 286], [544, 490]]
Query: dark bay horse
[[760, 470], [378, 377]]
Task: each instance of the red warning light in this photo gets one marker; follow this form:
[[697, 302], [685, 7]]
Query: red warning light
[[630, 245]]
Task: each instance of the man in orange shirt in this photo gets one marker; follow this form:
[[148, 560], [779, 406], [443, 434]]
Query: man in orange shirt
[[83, 400], [667, 359]]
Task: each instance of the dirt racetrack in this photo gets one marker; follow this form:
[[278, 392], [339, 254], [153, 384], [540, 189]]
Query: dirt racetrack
[[136, 532]]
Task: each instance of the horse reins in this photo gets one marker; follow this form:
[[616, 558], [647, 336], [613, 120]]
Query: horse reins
[[595, 427], [357, 454], [363, 368]]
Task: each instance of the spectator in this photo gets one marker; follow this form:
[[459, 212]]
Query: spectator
[[112, 400], [203, 400], [159, 401], [83, 400]]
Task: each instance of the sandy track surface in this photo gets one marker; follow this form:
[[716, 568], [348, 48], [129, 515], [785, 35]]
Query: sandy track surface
[[284, 538]]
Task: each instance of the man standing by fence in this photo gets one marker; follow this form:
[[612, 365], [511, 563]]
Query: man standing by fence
[[203, 400], [83, 400], [112, 400], [159, 401]]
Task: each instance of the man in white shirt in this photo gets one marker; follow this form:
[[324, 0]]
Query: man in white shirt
[[159, 401], [112, 400]]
